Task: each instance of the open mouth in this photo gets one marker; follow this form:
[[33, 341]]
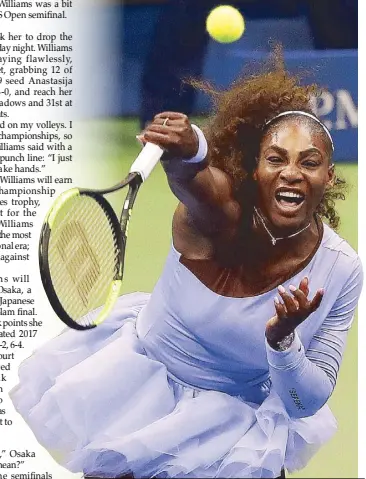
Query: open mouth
[[290, 199]]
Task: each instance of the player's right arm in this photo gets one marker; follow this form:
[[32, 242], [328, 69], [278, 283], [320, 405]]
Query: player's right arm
[[208, 208]]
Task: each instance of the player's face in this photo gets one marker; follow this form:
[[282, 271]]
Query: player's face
[[292, 173]]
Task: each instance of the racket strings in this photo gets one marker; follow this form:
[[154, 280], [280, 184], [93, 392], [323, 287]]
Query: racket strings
[[77, 265], [83, 258], [84, 284]]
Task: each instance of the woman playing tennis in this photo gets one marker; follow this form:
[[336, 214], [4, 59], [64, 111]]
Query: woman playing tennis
[[226, 368]]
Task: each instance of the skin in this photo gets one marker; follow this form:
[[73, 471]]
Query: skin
[[294, 156]]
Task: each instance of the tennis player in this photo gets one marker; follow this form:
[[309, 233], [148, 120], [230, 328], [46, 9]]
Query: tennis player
[[225, 370]]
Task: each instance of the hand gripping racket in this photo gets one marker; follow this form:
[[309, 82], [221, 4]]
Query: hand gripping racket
[[82, 247]]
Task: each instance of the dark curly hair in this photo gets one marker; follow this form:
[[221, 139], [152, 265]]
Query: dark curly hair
[[235, 129]]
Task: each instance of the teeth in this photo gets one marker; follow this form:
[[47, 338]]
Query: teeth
[[290, 194]]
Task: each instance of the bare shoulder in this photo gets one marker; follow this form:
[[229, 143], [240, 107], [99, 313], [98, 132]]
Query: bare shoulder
[[190, 238]]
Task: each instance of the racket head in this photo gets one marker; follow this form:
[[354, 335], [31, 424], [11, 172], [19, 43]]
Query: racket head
[[81, 255]]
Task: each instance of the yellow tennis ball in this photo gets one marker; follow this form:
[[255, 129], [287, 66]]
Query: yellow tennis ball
[[225, 24]]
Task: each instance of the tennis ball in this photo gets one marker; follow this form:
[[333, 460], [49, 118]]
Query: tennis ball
[[225, 24]]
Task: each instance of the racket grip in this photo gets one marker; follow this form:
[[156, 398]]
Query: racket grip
[[146, 161]]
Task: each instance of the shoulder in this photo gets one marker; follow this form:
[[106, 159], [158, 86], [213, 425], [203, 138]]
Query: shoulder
[[212, 218], [348, 265], [333, 241]]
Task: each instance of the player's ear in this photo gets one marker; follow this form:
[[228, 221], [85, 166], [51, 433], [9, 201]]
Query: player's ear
[[331, 176]]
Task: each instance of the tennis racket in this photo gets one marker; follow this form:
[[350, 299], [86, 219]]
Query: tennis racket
[[82, 247]]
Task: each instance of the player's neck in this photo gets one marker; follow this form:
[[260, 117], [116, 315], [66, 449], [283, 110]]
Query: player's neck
[[276, 244]]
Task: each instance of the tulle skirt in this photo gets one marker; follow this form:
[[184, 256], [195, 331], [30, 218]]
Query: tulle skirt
[[102, 407]]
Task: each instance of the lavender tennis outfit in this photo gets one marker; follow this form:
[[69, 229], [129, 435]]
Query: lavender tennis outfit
[[182, 383]]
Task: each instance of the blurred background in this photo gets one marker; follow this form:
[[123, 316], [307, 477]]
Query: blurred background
[[153, 45]]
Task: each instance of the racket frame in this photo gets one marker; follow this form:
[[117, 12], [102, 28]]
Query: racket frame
[[139, 172], [134, 181]]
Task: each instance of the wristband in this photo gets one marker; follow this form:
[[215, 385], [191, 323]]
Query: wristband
[[187, 169], [202, 147]]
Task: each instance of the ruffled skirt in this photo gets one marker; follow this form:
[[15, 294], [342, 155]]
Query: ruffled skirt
[[102, 407]]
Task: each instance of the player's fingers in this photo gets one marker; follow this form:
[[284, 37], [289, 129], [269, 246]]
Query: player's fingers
[[158, 128], [171, 124], [159, 139], [161, 128], [280, 309], [315, 303], [140, 139], [304, 285], [171, 137], [169, 121], [291, 304], [171, 115], [300, 296]]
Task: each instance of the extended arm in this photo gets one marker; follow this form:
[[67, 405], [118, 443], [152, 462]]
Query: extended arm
[[305, 380], [206, 193]]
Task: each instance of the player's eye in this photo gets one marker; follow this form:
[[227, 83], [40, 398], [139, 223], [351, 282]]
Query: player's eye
[[310, 163], [275, 160]]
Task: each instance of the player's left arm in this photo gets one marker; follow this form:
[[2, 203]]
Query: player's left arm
[[305, 380]]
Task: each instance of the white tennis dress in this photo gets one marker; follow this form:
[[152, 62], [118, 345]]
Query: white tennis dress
[[181, 383]]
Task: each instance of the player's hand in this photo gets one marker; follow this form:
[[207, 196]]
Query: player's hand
[[291, 311], [173, 132]]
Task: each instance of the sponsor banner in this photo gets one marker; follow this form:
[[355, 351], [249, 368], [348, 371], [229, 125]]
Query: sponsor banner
[[336, 71]]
